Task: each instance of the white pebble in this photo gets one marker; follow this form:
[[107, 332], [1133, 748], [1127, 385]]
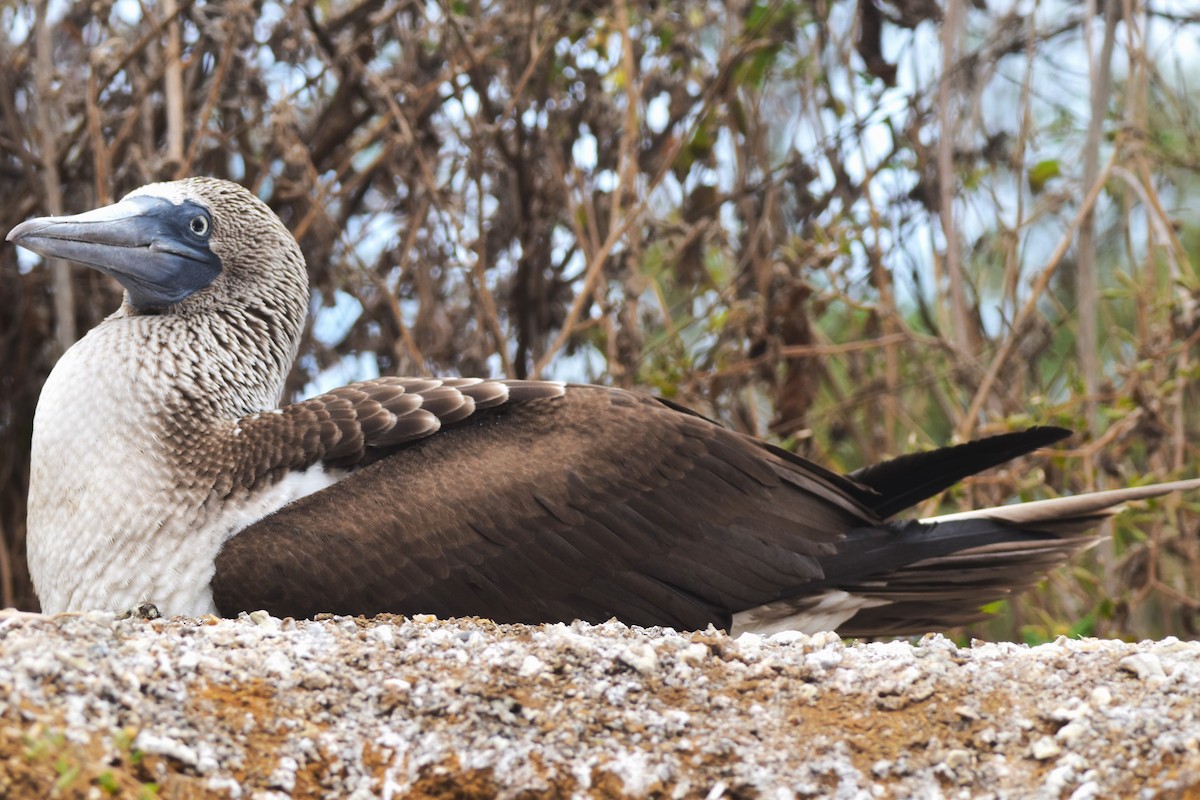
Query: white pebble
[[1144, 665], [1073, 710], [1070, 733], [694, 654], [640, 656], [165, 746], [1086, 791], [263, 619], [1045, 748], [383, 634], [966, 712], [284, 776], [531, 666], [276, 663]]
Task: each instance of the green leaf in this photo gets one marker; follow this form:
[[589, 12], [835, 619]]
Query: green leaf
[[1083, 627], [995, 607], [67, 772], [1042, 172], [108, 782], [753, 71]]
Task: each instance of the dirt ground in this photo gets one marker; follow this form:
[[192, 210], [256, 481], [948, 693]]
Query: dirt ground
[[265, 708]]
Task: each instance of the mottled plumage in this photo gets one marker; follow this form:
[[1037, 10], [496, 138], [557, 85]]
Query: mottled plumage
[[164, 472]]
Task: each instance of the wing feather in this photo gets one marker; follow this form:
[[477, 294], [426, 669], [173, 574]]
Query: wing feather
[[588, 504], [525, 501]]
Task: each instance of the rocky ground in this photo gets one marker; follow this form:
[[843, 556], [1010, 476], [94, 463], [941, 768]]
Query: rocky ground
[[391, 707]]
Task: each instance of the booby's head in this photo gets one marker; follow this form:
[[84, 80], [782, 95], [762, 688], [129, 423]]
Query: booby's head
[[181, 246]]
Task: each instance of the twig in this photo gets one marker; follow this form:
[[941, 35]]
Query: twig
[[101, 156], [1087, 293], [487, 303], [210, 102], [960, 320], [1040, 284], [634, 213], [173, 96], [64, 291]]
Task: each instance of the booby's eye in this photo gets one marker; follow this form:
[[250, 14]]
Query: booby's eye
[[199, 225]]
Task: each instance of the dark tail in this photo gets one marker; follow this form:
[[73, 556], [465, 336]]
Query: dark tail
[[938, 573], [905, 481]]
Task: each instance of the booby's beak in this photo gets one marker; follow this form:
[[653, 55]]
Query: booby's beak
[[157, 249]]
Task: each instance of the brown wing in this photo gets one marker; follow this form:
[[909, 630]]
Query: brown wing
[[595, 504], [358, 423]]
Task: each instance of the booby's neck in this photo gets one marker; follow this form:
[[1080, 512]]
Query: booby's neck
[[132, 431], [208, 365]]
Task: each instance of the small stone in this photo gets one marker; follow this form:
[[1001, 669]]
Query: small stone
[[966, 712], [922, 691], [639, 656], [263, 619], [284, 776], [531, 666], [694, 654], [42, 666], [1144, 665], [276, 663], [316, 679], [1101, 696], [225, 785], [957, 758], [806, 692], [1172, 644], [165, 746], [788, 637], [394, 692], [750, 640], [1070, 733], [1045, 748], [826, 638], [1086, 791], [1071, 711], [383, 634], [824, 659]]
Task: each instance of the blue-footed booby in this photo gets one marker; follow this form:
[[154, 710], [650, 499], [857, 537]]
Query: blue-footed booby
[[164, 471]]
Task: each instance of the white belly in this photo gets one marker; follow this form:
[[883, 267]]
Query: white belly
[[112, 521]]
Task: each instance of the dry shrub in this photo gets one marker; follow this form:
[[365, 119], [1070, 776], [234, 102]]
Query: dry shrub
[[750, 206]]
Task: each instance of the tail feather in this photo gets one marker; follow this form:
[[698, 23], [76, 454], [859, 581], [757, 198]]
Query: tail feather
[[1073, 514], [951, 590], [939, 572], [905, 481]]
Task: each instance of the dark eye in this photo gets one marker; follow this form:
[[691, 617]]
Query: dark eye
[[199, 225]]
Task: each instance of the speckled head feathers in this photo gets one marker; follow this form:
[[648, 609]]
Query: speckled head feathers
[[216, 287], [260, 259]]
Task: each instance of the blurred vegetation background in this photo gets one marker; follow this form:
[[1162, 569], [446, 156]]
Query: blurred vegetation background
[[860, 227]]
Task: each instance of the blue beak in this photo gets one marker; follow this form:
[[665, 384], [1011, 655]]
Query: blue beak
[[158, 250]]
